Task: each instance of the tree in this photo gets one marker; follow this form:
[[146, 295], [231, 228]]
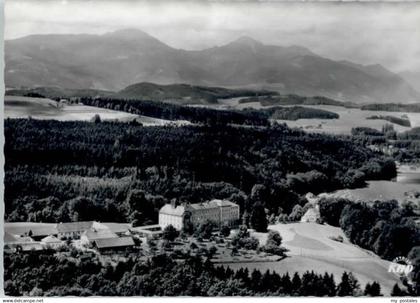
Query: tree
[[273, 244], [297, 213], [330, 209], [152, 245], [211, 252], [242, 239], [348, 285], [396, 291], [187, 225], [96, 118], [258, 218], [170, 233], [258, 193], [296, 283], [274, 238], [225, 231], [372, 290], [205, 230], [193, 246]]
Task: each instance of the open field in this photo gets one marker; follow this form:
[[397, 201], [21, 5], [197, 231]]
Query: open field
[[310, 248], [378, 190], [349, 117], [40, 108]]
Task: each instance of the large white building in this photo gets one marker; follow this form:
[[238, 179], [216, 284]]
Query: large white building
[[220, 212]]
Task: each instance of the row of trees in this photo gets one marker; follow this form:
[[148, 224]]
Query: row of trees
[[168, 111], [384, 227], [49, 275]]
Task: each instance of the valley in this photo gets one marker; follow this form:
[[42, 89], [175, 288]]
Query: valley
[[204, 163]]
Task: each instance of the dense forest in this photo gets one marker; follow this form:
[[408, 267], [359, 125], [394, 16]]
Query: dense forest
[[392, 119], [393, 107], [60, 171], [167, 111], [48, 275], [185, 93], [297, 112], [208, 116], [405, 146], [296, 100], [174, 93]]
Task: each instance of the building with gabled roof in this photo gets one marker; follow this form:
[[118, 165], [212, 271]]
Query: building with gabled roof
[[35, 230], [117, 228], [113, 244], [93, 234], [73, 230]]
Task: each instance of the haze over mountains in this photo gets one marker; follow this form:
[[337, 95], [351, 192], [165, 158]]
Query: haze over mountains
[[115, 60]]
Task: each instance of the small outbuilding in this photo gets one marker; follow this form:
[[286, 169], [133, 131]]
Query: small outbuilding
[[312, 215], [109, 245], [51, 242]]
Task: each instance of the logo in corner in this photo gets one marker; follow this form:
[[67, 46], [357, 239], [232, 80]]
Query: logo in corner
[[401, 266]]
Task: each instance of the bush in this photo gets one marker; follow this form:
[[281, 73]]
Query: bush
[[170, 233], [243, 239]]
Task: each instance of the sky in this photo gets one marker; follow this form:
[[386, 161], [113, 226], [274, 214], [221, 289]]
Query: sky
[[365, 33]]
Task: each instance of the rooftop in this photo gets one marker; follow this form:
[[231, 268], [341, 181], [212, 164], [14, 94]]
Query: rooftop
[[114, 242], [28, 246], [114, 227], [50, 239], [9, 238], [215, 203], [74, 226], [37, 229], [180, 209], [94, 234], [168, 209]]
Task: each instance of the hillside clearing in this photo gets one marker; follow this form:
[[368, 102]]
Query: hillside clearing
[[311, 248], [43, 109]]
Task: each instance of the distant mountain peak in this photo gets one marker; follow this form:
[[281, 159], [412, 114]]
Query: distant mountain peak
[[130, 33], [246, 41], [114, 60]]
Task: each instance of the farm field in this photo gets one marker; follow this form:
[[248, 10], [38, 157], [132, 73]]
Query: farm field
[[310, 248], [378, 190], [43, 109], [349, 117]]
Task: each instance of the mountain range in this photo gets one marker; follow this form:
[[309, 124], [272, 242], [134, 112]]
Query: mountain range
[[115, 60]]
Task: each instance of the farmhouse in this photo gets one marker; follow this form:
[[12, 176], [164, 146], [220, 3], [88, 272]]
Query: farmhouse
[[30, 236], [73, 230], [220, 212]]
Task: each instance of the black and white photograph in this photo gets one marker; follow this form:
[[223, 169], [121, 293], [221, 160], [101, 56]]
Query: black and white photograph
[[211, 149]]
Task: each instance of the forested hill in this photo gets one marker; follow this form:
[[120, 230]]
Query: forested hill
[[184, 93], [209, 116], [173, 93], [106, 160]]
